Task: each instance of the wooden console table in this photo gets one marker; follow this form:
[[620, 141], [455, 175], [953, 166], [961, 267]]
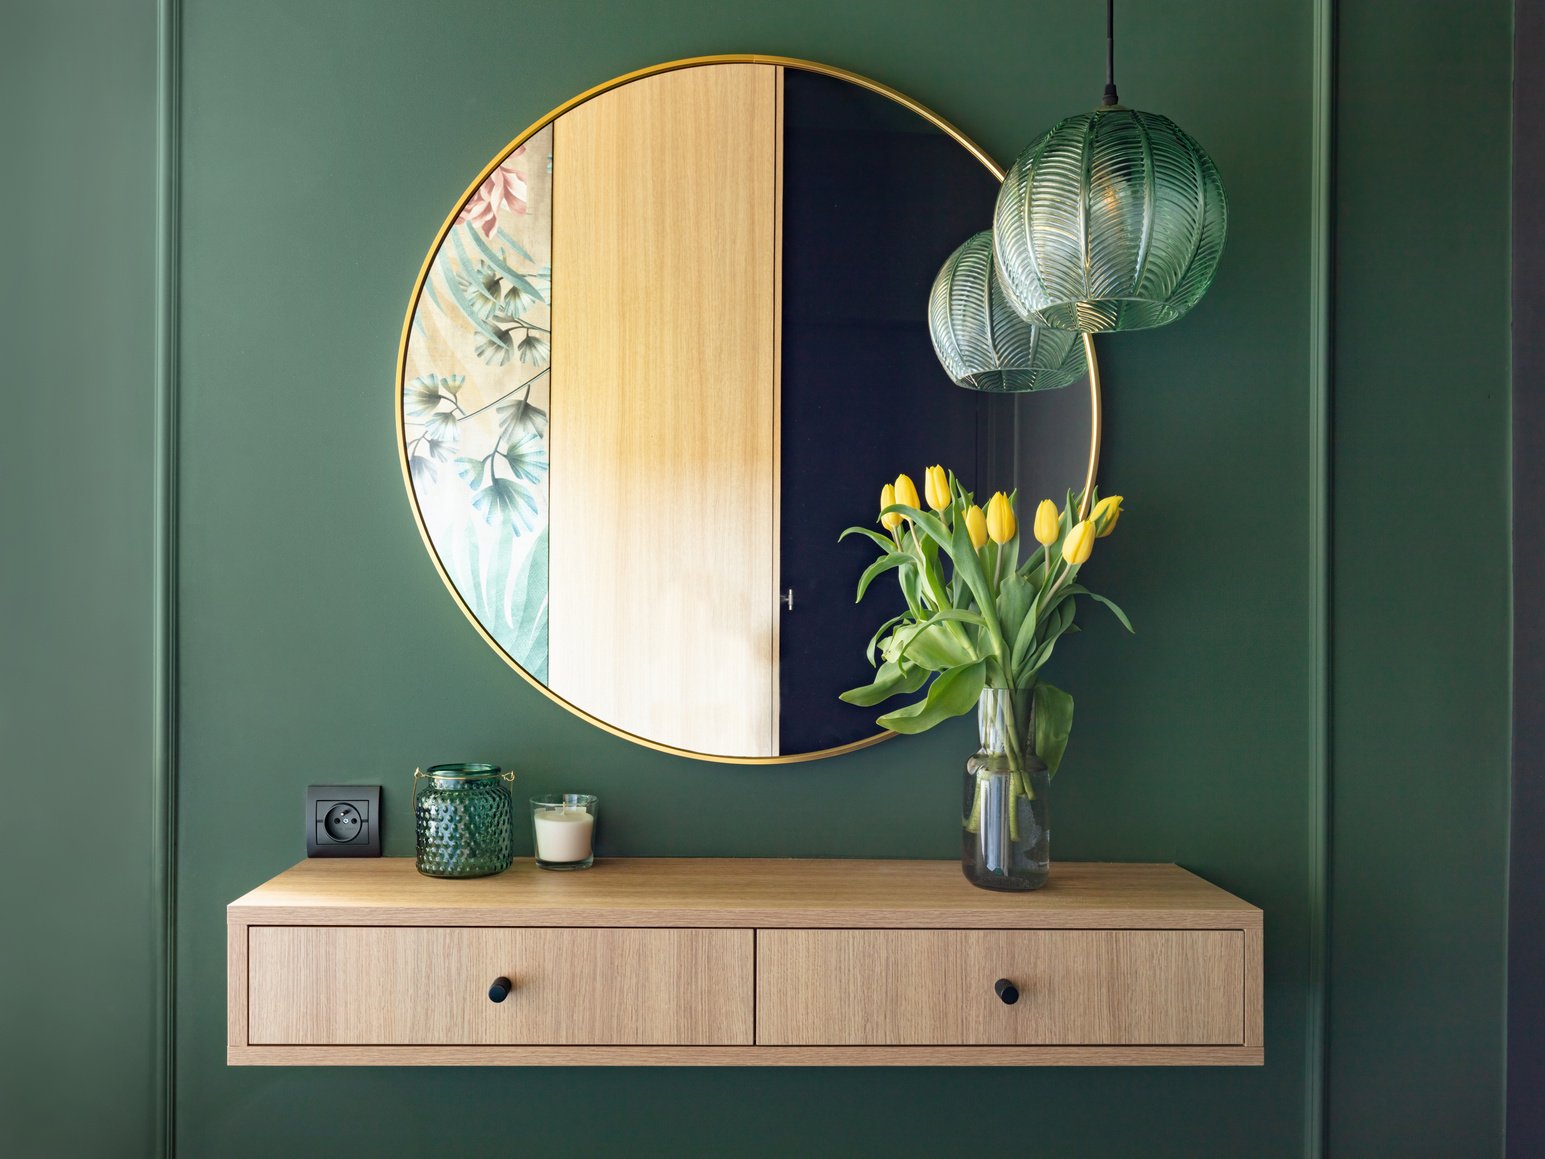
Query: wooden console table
[[741, 962]]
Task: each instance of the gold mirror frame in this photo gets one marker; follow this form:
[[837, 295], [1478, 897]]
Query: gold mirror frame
[[418, 288]]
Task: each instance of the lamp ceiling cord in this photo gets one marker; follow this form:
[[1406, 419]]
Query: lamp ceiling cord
[[1110, 54]]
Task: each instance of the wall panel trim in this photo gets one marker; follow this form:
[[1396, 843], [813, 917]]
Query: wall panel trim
[[1524, 1117], [163, 845], [1321, 354]]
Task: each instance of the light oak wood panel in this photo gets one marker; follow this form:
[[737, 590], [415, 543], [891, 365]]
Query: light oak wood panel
[[370, 986], [935, 987], [895, 899], [235, 986], [238, 1055], [664, 408], [742, 892], [1255, 987]]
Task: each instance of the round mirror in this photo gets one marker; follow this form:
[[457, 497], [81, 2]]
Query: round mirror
[[670, 343]]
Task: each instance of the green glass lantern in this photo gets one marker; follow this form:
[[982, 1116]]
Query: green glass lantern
[[1113, 220], [463, 819], [981, 342]]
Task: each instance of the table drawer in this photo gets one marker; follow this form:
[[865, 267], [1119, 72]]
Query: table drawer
[[936, 987], [415, 985]]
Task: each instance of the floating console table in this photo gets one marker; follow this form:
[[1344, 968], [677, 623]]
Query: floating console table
[[693, 962]]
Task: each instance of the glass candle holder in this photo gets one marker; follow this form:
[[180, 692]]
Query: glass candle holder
[[564, 827], [462, 817]]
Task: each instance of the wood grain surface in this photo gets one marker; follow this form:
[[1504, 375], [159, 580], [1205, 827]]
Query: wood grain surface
[[742, 892], [373, 986], [707, 962], [936, 987], [664, 408], [745, 1055]]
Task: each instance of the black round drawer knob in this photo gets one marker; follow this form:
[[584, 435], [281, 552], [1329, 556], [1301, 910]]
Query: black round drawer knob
[[1007, 991], [501, 988]]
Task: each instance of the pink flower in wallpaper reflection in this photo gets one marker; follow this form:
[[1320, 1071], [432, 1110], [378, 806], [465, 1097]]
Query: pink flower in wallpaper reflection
[[504, 189]]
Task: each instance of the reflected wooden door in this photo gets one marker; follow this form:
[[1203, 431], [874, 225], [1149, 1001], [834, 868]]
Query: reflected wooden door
[[664, 424]]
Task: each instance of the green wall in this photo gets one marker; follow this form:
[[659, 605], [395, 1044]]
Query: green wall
[[321, 144], [80, 944], [1421, 711]]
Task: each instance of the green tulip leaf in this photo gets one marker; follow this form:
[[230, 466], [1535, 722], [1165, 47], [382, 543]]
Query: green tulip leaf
[[953, 693], [969, 567], [934, 574], [911, 581], [1119, 614], [1064, 618], [1037, 660], [878, 568], [959, 615], [883, 542], [1080, 590], [892, 679], [933, 646], [1053, 725], [1014, 600], [930, 524], [1032, 562], [875, 639], [1024, 639]]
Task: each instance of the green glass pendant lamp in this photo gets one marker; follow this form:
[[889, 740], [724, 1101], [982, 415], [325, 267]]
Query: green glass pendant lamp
[[1112, 220], [982, 343]]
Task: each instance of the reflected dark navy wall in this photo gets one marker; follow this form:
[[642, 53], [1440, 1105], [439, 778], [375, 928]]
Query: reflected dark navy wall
[[874, 199]]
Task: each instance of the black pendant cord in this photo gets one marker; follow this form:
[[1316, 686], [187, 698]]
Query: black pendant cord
[[1110, 54]]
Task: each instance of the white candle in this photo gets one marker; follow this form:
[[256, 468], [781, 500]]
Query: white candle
[[563, 835]]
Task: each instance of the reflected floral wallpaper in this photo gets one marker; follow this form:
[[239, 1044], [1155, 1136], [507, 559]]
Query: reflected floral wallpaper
[[475, 400]]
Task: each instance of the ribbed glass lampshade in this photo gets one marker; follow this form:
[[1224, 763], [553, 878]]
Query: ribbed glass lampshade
[[1113, 220], [981, 342]]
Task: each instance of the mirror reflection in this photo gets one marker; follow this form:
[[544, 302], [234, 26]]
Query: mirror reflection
[[668, 348]]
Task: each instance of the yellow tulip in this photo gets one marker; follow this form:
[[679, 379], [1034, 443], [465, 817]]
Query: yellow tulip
[[888, 499], [976, 525], [906, 491], [1047, 524], [1105, 514], [936, 486], [1080, 543], [1001, 524]]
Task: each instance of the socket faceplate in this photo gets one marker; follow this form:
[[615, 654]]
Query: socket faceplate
[[343, 821]]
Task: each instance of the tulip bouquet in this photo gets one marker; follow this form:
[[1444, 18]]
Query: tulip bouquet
[[991, 619]]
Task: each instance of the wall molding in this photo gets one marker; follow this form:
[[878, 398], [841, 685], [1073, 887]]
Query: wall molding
[[1321, 355], [1524, 1121], [163, 847]]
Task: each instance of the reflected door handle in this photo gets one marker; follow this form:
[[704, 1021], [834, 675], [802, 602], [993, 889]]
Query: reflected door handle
[[500, 990], [1007, 991], [788, 600]]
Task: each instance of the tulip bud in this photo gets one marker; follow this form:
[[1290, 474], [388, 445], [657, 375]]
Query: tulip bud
[[1001, 524], [1079, 544], [892, 520], [936, 486], [976, 525], [906, 492], [1047, 524], [1105, 514]]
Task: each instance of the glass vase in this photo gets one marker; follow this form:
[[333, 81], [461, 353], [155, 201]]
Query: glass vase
[[1005, 842], [462, 815]]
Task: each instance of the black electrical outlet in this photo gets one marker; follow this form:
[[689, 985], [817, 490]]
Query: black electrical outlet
[[343, 821]]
